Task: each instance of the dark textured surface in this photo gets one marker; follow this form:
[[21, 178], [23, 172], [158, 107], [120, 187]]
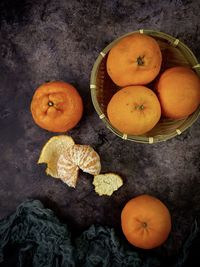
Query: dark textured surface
[[48, 40]]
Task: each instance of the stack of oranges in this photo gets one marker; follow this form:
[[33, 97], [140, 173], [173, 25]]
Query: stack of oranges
[[132, 64]]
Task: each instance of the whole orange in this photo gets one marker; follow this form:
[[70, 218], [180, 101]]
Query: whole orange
[[146, 222], [134, 110], [179, 92], [134, 60], [56, 106]]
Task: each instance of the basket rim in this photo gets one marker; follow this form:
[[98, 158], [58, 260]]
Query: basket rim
[[139, 138]]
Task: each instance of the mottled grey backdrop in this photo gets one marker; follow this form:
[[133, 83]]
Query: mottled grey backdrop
[[58, 39]]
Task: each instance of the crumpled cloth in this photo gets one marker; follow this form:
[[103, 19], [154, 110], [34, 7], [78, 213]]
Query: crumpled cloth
[[34, 237]]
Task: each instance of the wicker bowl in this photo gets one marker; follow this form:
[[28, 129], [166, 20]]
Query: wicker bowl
[[175, 53]]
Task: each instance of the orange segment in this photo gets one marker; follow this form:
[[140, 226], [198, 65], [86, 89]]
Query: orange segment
[[77, 157], [67, 171]]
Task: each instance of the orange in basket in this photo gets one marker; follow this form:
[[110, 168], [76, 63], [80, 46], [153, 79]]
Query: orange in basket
[[134, 60], [134, 110], [179, 92]]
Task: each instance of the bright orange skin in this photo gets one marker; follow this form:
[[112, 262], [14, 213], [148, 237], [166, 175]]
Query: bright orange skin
[[122, 62], [146, 222], [134, 110], [56, 106], [179, 92]]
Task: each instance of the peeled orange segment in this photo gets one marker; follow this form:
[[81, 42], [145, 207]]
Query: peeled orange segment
[[106, 184], [87, 159], [68, 171], [51, 151], [77, 157]]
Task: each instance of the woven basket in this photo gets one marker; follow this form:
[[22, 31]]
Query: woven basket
[[174, 53]]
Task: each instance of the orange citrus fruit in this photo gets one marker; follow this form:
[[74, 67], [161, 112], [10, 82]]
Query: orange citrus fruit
[[179, 92], [146, 222], [134, 110], [134, 60], [56, 106]]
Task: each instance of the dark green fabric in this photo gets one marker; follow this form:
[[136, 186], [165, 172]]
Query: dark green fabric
[[38, 234], [36, 238]]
